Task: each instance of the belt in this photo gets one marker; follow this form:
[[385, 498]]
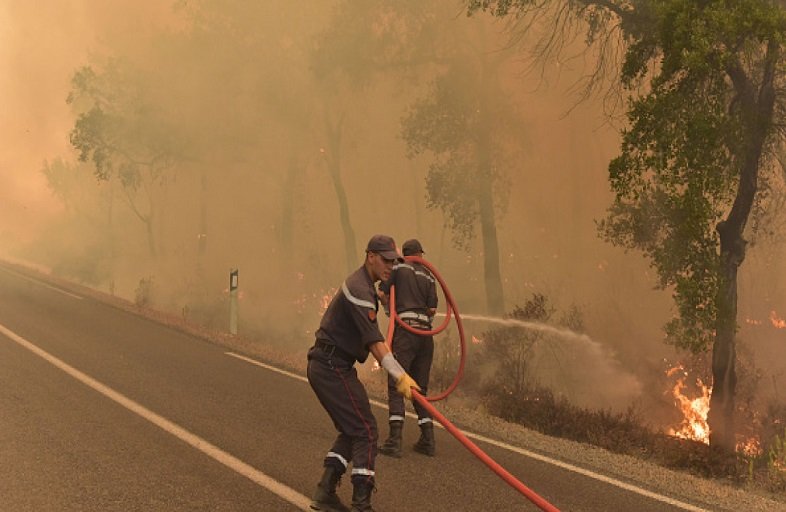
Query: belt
[[416, 323], [413, 315], [332, 350]]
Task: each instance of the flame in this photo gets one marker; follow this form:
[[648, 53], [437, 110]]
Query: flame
[[749, 447], [305, 302], [694, 410], [476, 341], [694, 422], [325, 300], [778, 323], [751, 321]]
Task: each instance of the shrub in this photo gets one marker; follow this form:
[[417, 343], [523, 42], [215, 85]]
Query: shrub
[[143, 295]]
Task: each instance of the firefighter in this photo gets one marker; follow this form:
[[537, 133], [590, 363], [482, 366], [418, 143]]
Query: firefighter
[[347, 333], [416, 304]]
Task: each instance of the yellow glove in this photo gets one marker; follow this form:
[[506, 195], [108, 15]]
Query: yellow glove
[[404, 385]]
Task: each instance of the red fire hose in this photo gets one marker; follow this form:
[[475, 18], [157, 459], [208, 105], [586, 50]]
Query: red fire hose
[[424, 400]]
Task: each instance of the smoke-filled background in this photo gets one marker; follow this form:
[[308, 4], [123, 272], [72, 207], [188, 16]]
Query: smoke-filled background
[[214, 135]]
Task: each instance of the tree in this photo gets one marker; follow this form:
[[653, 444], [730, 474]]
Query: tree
[[89, 251], [347, 56], [369, 42], [123, 135], [465, 120], [704, 82], [265, 106], [468, 123]]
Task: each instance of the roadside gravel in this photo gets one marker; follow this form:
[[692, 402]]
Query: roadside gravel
[[717, 495]]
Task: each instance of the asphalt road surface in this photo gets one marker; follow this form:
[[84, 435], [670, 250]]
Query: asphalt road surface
[[102, 410]]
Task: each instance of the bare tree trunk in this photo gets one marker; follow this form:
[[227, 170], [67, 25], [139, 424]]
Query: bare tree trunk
[[151, 241], [334, 168], [110, 226], [286, 227], [495, 302], [417, 201], [724, 353]]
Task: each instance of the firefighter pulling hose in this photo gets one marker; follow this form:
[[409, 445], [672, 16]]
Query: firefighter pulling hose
[[424, 401]]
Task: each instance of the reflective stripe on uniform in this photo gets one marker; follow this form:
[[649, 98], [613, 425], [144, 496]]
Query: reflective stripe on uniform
[[417, 272], [396, 417], [424, 420], [363, 471], [354, 300], [415, 316], [338, 456]]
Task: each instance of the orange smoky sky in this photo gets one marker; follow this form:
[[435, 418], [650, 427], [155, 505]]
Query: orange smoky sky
[[41, 45]]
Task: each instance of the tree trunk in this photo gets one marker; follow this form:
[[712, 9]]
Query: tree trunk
[[417, 202], [495, 302], [151, 240], [286, 227], [334, 168], [110, 227], [724, 354], [756, 107]]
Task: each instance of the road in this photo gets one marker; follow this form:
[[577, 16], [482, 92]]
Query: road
[[103, 410]]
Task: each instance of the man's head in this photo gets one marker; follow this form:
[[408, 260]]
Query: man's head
[[412, 247], [381, 254]]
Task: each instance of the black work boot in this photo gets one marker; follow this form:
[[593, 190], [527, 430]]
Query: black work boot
[[361, 497], [325, 497], [425, 444], [392, 445]]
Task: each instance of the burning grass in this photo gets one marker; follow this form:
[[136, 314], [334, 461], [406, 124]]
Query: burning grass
[[515, 395], [627, 433], [624, 433]]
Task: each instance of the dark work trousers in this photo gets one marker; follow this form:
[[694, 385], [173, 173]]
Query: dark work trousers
[[336, 384], [415, 354]]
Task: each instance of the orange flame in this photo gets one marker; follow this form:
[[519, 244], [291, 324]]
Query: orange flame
[[694, 422], [694, 410], [779, 323], [325, 300], [749, 447]]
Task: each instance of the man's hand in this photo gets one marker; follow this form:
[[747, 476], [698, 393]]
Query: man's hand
[[405, 384]]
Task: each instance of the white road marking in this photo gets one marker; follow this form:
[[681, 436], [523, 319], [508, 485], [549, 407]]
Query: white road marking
[[212, 451], [28, 278], [267, 366], [516, 449]]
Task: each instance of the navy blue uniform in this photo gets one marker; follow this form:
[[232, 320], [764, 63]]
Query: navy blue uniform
[[348, 327], [416, 293]]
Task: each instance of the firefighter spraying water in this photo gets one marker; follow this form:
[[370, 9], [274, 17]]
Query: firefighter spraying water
[[424, 401]]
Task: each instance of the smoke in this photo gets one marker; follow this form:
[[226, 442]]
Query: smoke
[[573, 365], [40, 47], [228, 91]]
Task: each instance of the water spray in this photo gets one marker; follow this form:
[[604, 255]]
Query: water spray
[[561, 332], [425, 401]]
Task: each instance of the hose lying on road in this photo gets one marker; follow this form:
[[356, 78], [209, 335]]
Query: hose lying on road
[[424, 400]]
